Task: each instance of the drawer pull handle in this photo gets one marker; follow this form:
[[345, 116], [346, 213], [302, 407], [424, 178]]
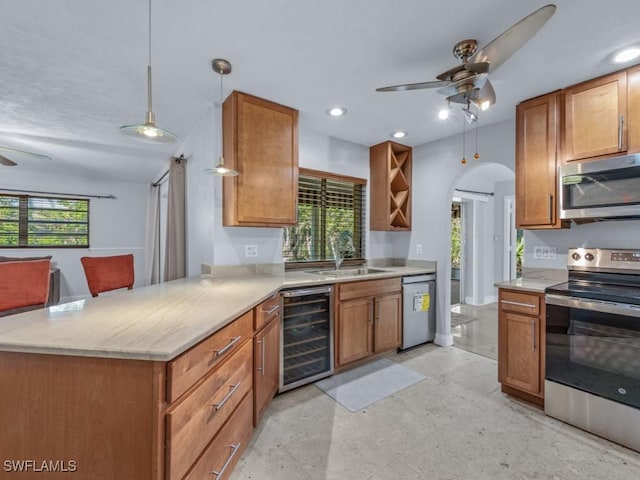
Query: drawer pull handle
[[234, 449], [518, 304], [227, 396], [233, 341], [271, 310]]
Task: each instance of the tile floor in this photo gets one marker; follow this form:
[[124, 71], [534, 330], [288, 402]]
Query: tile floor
[[456, 424]]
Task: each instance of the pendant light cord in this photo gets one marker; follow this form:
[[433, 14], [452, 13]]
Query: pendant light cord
[[149, 106]]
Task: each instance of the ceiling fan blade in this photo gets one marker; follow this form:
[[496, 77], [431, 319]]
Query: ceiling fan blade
[[475, 81], [512, 39], [6, 162], [414, 86], [23, 152]]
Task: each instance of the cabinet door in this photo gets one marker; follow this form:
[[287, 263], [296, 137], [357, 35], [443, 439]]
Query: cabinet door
[[354, 330], [536, 163], [387, 326], [633, 109], [596, 118], [519, 352], [261, 143], [267, 366]]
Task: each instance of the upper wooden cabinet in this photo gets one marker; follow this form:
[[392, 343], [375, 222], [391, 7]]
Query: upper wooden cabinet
[[595, 122], [390, 170], [260, 141], [537, 126], [633, 109]]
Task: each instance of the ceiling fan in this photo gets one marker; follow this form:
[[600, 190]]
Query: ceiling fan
[[6, 152], [469, 83]]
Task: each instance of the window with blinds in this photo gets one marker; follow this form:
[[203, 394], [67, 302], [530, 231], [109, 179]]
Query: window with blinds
[[331, 220], [43, 222]]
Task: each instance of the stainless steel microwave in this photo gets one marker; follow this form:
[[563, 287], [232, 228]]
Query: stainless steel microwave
[[602, 189]]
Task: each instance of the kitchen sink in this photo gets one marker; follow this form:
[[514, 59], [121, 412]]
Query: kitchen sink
[[348, 272]]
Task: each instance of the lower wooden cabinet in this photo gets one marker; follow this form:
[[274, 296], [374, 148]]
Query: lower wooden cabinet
[[521, 338], [223, 453], [266, 374], [368, 319]]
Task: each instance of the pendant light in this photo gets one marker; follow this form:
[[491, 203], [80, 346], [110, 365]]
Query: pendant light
[[148, 131], [221, 67]]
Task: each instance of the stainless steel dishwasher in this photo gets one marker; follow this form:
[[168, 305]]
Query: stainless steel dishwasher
[[418, 310]]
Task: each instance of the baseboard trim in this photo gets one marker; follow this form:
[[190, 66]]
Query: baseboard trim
[[443, 340]]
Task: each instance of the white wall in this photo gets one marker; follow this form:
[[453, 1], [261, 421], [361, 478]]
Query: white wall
[[436, 169], [607, 234], [116, 226], [207, 240]]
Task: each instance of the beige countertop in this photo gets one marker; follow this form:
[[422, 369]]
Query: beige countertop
[[156, 322], [535, 280]]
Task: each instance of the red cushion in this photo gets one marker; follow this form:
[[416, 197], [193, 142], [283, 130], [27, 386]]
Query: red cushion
[[24, 283], [108, 273]]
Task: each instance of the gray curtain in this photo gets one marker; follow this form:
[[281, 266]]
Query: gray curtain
[[175, 252], [152, 250]]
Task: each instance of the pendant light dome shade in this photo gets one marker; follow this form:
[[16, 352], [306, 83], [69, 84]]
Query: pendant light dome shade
[[149, 131], [222, 67]]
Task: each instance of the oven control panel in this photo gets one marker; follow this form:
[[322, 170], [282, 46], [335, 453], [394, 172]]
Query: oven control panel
[[624, 259]]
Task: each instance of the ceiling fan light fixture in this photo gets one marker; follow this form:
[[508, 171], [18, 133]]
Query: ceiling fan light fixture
[[627, 55], [149, 131], [470, 116]]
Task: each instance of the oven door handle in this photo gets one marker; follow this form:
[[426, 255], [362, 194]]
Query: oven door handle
[[593, 305]]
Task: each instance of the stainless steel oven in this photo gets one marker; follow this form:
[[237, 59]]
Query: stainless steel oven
[[593, 345], [600, 189]]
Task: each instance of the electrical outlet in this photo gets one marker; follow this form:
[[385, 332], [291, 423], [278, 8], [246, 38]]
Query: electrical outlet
[[251, 250], [548, 253], [419, 249]]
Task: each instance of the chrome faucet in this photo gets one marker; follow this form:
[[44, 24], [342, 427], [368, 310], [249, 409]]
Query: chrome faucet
[[343, 241]]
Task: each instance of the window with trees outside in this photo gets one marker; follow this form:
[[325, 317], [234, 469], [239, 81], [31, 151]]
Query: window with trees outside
[[331, 220], [43, 222]]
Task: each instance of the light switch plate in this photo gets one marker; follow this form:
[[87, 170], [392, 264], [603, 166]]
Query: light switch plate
[[251, 250], [418, 249]]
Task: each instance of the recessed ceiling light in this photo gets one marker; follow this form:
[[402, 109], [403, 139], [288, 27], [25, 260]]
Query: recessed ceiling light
[[627, 55], [337, 111], [399, 134], [443, 114]]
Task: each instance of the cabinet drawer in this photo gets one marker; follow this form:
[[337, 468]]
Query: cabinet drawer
[[267, 311], [369, 288], [520, 302], [221, 456], [197, 419], [191, 366]]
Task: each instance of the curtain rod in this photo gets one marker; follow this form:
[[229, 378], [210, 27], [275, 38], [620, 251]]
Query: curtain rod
[[179, 159], [112, 197], [490, 194]]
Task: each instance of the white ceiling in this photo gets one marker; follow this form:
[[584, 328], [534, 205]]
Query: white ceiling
[[72, 72]]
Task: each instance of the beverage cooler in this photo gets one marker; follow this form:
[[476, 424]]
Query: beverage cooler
[[307, 336]]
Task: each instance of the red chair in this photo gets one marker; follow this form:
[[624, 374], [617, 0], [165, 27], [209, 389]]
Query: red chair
[[108, 273], [24, 285]]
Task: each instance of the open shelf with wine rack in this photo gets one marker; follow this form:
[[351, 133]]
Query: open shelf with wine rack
[[390, 170]]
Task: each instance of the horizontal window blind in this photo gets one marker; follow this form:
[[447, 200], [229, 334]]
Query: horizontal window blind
[[330, 220], [40, 222]]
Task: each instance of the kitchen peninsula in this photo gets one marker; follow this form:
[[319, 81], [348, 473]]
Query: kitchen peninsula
[[116, 385]]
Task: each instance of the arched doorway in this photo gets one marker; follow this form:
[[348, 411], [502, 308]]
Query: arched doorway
[[480, 235]]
